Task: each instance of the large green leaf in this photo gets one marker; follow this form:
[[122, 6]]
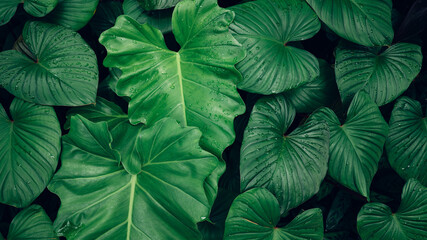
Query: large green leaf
[[157, 4], [73, 14], [255, 214], [195, 86], [407, 140], [29, 150], [356, 145], [376, 221], [366, 22], [265, 28], [384, 75], [320, 92], [291, 166], [60, 68], [101, 200], [37, 8], [31, 223]]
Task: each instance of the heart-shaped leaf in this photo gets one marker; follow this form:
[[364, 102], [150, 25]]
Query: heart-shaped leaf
[[264, 28], [376, 221], [157, 4], [293, 166], [365, 22], [255, 214], [195, 86], [320, 92], [31, 223], [36, 8], [56, 67], [73, 14], [100, 199], [355, 146], [384, 75], [29, 150], [407, 140]]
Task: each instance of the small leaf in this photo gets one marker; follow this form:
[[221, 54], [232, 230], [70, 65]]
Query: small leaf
[[255, 214], [264, 28], [376, 221]]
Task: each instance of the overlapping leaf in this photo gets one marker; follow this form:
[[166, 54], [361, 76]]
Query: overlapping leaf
[[384, 75], [160, 19], [291, 166], [265, 28], [157, 4], [29, 151], [195, 86], [55, 67], [365, 22], [101, 199], [73, 14], [407, 140], [355, 146], [376, 221], [255, 214], [37, 8]]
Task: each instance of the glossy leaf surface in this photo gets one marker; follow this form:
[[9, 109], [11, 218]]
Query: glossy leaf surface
[[376, 221], [29, 151], [100, 199], [255, 214], [355, 146], [291, 166], [264, 28], [195, 86], [365, 22], [407, 140], [61, 69], [36, 8], [73, 14], [384, 75]]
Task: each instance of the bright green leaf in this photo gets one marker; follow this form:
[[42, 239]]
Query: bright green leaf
[[376, 221], [407, 140], [384, 75], [293, 166], [29, 150], [195, 86], [264, 28], [31, 223], [355, 146], [100, 199], [255, 214], [36, 8], [365, 22]]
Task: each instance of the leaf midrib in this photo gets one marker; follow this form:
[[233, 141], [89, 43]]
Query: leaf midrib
[[179, 74]]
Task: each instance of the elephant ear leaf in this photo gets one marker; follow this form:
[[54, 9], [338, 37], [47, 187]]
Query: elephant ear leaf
[[407, 140], [196, 85], [29, 151], [255, 214], [291, 166], [384, 75], [265, 28], [163, 199], [376, 221], [363, 22], [355, 146], [54, 66], [31, 222], [36, 8]]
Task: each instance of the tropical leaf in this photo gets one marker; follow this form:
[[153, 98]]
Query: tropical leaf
[[265, 28], [36, 8], [160, 19], [73, 14], [365, 22], [157, 4], [31, 223], [105, 16], [291, 166], [356, 145], [185, 84], [376, 221], [29, 151], [407, 140], [384, 75], [255, 214], [101, 199], [56, 67]]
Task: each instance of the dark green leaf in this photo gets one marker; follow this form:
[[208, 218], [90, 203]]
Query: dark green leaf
[[36, 8], [160, 19], [105, 16], [157, 4]]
